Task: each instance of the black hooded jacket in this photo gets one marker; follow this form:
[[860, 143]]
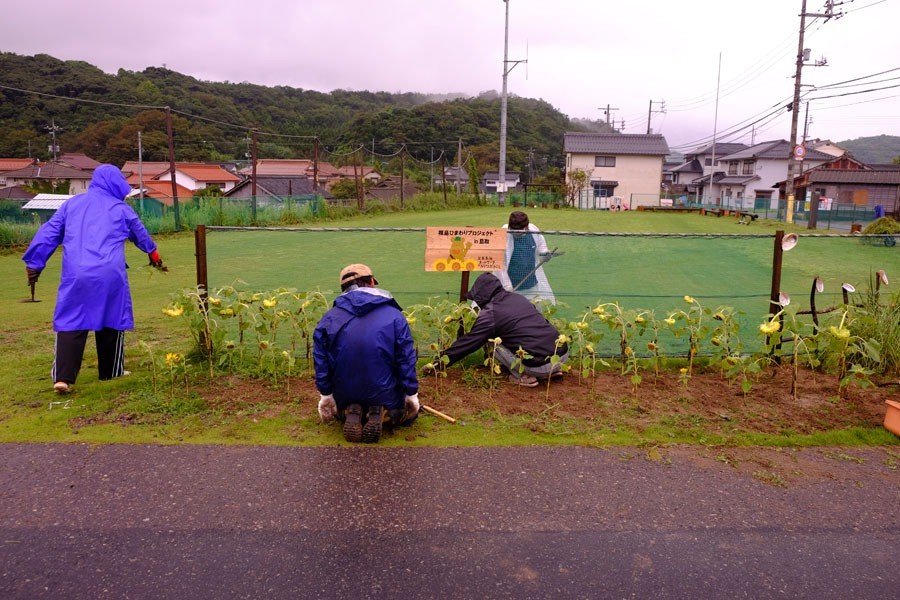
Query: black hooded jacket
[[512, 318]]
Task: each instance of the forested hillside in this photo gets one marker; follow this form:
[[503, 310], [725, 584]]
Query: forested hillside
[[212, 120], [879, 149]]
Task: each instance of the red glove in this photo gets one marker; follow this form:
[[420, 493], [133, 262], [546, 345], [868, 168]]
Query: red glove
[[156, 261]]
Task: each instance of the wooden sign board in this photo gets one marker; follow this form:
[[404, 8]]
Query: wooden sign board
[[464, 248]]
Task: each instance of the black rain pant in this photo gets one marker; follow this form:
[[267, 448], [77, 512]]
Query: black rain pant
[[70, 352]]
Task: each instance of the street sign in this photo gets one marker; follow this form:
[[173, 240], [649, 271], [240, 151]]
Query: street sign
[[799, 151]]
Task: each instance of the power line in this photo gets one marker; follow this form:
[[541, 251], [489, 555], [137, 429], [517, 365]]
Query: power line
[[822, 87], [84, 100], [887, 87]]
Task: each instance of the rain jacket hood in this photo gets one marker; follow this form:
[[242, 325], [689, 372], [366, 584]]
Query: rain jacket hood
[[109, 180], [365, 301], [485, 288]]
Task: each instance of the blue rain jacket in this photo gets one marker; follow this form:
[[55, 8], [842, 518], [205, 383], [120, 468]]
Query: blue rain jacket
[[364, 352], [92, 229]]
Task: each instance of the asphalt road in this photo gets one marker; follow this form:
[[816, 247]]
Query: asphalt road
[[367, 522]]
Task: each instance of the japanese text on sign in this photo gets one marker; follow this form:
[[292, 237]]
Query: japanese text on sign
[[464, 248]]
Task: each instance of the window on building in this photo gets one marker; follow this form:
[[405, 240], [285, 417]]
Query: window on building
[[602, 190], [763, 194], [604, 161], [749, 166], [732, 168]]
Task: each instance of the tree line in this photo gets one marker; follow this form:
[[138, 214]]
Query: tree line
[[211, 120]]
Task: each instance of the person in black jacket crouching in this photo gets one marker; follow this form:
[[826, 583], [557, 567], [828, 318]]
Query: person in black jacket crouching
[[528, 341]]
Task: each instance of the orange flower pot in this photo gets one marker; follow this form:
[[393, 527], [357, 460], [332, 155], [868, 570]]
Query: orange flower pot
[[892, 417]]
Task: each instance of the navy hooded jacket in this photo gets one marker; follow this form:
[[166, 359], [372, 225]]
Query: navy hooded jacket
[[364, 352]]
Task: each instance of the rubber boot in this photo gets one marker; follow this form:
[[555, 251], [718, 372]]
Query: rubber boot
[[353, 427], [372, 429]]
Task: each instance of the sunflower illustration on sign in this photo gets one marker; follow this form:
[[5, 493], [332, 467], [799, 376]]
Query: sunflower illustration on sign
[[457, 260]]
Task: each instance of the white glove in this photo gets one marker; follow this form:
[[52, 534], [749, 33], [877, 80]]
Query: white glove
[[412, 406], [327, 408]]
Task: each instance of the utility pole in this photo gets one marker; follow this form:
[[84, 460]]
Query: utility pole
[[650, 111], [253, 178], [531, 165], [53, 148], [501, 184], [171, 142], [316, 167], [459, 166], [140, 172], [608, 113], [794, 107]]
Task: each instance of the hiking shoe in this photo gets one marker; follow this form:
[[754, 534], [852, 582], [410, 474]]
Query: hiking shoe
[[372, 430], [523, 380], [353, 428], [61, 387]]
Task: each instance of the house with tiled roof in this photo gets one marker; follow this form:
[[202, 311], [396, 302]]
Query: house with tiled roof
[[826, 146], [362, 171], [133, 170], [157, 197], [845, 182], [280, 166], [491, 179], [78, 160], [325, 171], [49, 174], [12, 164], [691, 177], [749, 176], [192, 176], [17, 193], [392, 189], [199, 176], [625, 167], [276, 189]]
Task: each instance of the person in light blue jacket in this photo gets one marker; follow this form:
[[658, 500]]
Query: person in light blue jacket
[[93, 291], [365, 359]]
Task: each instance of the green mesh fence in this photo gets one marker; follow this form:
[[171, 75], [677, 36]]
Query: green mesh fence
[[638, 271]]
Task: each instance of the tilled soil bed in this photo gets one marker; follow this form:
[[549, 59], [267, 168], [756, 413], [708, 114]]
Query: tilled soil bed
[[706, 402]]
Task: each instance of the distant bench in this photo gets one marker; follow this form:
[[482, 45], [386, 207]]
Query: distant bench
[[746, 217], [669, 208]]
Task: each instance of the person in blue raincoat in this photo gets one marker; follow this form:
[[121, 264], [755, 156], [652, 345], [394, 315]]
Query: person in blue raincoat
[[93, 289], [365, 359]]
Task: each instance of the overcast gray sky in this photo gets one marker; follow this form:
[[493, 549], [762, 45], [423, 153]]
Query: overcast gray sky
[[582, 54]]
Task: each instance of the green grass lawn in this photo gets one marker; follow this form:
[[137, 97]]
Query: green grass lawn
[[647, 272]]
